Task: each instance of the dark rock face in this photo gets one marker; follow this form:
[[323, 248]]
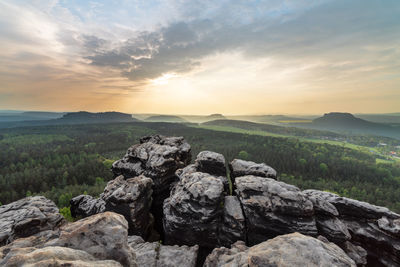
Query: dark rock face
[[370, 228], [85, 205], [233, 222], [240, 167], [282, 251], [156, 157], [211, 162], [154, 254], [192, 214], [131, 198], [28, 216], [274, 208]]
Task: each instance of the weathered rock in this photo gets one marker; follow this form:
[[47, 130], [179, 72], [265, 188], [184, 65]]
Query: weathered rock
[[351, 207], [321, 205], [154, 254], [333, 228], [211, 162], [240, 167], [391, 226], [85, 205], [53, 256], [132, 198], [156, 157], [192, 214], [28, 216], [287, 250], [273, 208], [356, 253], [233, 225], [382, 247], [103, 236]]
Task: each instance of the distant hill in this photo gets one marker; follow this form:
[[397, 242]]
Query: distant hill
[[28, 116], [381, 118], [215, 117], [274, 119], [165, 118], [83, 116], [346, 122]]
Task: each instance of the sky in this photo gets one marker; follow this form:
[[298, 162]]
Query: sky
[[201, 57]]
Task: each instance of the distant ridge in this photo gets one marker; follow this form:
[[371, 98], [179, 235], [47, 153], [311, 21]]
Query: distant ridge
[[165, 118], [84, 116], [346, 122]]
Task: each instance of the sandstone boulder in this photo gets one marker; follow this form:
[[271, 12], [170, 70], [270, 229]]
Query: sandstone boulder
[[84, 205], [28, 216], [273, 208], [132, 198], [287, 250], [155, 254], [240, 167]]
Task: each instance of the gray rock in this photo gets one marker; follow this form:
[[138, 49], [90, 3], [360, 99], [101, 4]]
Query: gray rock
[[382, 247], [211, 162], [154, 254], [240, 167], [53, 256], [273, 208], [287, 250], [391, 226], [104, 236], [321, 205], [333, 228], [233, 226], [351, 207], [28, 216], [132, 198], [356, 253], [157, 157], [84, 205], [192, 214]]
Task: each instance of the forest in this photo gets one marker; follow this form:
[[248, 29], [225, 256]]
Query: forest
[[62, 161]]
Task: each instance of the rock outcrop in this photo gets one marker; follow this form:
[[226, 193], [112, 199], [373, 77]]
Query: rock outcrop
[[367, 228], [273, 208], [156, 157], [240, 167], [84, 205], [132, 198], [155, 254], [286, 250], [198, 210], [200, 213], [28, 216]]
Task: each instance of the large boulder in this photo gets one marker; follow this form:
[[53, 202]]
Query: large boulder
[[192, 214], [53, 256], [233, 222], [104, 236], [240, 167], [287, 250], [132, 198], [84, 205], [211, 162], [156, 157], [155, 254], [28, 216], [358, 226], [273, 208]]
